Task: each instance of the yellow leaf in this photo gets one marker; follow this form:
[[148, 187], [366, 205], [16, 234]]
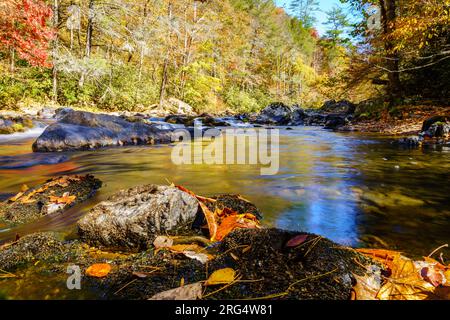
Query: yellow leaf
[[24, 188], [221, 276], [16, 197], [99, 270], [405, 282]]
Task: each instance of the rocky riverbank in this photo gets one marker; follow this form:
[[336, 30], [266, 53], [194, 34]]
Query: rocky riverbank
[[163, 246]]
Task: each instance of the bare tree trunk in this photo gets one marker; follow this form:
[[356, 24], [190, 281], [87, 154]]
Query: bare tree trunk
[[162, 90], [55, 50], [388, 15], [90, 29], [12, 64]]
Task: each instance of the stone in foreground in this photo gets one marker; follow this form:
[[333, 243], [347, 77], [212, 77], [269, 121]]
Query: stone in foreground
[[133, 218]]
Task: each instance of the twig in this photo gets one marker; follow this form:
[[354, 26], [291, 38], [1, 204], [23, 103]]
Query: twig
[[437, 249], [224, 287], [281, 294], [125, 286], [6, 274]]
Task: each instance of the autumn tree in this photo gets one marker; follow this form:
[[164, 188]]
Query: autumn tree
[[24, 31]]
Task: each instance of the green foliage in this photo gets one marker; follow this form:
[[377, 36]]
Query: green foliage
[[30, 85], [242, 101]]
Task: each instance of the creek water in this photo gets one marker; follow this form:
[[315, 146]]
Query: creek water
[[351, 188]]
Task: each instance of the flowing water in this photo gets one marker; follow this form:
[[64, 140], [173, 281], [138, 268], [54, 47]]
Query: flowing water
[[351, 188]]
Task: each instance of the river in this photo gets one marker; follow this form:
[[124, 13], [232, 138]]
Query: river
[[351, 188]]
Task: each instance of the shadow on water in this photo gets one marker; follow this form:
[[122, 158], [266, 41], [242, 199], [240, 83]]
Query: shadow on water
[[347, 187]]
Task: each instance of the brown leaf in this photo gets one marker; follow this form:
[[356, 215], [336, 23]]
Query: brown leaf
[[297, 240], [187, 292]]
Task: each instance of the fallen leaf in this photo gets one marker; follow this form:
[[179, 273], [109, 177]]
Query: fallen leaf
[[405, 282], [98, 270], [16, 197], [386, 257], [141, 275], [186, 292], [24, 188], [162, 242], [65, 199], [210, 220], [202, 257], [181, 248], [366, 287], [221, 276], [297, 240], [235, 221]]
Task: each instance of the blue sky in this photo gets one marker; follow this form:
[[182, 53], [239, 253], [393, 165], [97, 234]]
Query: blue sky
[[325, 5]]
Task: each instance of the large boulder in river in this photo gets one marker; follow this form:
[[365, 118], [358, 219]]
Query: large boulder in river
[[79, 130], [339, 107], [280, 114], [133, 218]]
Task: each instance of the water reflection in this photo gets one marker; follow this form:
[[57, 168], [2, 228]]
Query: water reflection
[[342, 186]]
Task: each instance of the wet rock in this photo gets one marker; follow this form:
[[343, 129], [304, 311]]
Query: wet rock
[[80, 130], [61, 113], [322, 269], [335, 121], [11, 123], [190, 121], [339, 107], [280, 114], [430, 121], [437, 130], [31, 248], [314, 118], [133, 218], [56, 195]]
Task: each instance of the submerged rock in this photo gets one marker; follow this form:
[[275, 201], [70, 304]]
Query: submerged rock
[[56, 195], [133, 218], [79, 130]]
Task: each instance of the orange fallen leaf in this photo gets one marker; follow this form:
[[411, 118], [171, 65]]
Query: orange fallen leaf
[[235, 221], [386, 257], [210, 220], [99, 270], [65, 199]]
